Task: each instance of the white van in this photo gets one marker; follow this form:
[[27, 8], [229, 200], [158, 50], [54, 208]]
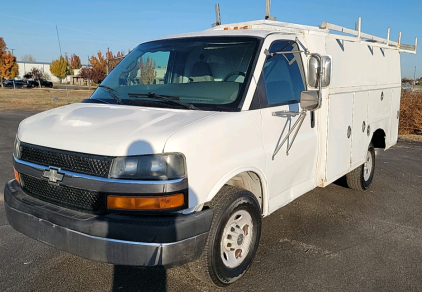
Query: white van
[[193, 138]]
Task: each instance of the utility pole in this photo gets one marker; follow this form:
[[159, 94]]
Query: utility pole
[[10, 49], [60, 47]]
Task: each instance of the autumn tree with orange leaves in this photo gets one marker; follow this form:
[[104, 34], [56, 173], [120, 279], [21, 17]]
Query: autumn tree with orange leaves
[[8, 65], [99, 64], [75, 62]]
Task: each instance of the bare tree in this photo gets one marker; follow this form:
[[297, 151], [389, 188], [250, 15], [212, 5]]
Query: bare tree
[[28, 58]]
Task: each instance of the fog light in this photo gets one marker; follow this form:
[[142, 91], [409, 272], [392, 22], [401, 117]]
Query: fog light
[[145, 203]]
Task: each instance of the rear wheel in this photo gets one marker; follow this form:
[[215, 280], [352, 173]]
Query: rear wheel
[[361, 177], [233, 239]]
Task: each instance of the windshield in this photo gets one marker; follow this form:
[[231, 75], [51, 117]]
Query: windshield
[[207, 73]]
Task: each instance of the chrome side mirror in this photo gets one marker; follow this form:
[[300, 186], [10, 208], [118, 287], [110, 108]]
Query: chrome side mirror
[[309, 100], [319, 65]]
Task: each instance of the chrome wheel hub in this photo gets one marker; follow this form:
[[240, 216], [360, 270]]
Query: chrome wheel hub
[[367, 166]]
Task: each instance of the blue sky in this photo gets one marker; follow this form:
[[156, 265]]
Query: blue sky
[[85, 27]]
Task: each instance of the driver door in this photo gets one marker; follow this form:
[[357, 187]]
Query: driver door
[[289, 174]]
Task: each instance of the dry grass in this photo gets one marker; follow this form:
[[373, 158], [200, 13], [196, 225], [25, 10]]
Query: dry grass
[[39, 99], [411, 114], [44, 99]]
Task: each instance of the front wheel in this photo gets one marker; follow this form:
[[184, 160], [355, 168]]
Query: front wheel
[[361, 177], [233, 239]]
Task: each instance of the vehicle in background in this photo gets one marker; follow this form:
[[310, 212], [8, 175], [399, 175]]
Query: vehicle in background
[[36, 83], [14, 82]]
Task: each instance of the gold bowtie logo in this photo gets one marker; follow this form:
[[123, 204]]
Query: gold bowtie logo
[[53, 175]]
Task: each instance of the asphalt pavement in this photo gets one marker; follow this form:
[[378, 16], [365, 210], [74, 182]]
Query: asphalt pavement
[[330, 239]]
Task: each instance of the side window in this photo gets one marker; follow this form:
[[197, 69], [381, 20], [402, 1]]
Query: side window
[[283, 74]]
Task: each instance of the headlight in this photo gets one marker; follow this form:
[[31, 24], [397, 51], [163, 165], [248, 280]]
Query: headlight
[[149, 167], [17, 148]]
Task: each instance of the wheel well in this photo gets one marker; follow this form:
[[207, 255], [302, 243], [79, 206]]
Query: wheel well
[[250, 181], [378, 139]]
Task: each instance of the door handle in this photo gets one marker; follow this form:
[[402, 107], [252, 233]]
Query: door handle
[[285, 113]]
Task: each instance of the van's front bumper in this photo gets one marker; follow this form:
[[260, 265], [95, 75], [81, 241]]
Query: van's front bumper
[[112, 238]]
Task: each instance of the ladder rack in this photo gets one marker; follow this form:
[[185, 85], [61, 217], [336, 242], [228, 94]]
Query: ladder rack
[[367, 37], [270, 23]]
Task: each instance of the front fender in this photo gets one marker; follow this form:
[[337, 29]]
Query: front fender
[[216, 149]]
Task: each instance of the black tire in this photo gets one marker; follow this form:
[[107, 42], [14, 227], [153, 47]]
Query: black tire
[[216, 266], [361, 177]]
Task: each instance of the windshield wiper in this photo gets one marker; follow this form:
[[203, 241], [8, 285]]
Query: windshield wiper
[[166, 98], [112, 93]]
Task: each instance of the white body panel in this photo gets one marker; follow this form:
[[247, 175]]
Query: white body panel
[[106, 130], [365, 84], [217, 149], [220, 145]]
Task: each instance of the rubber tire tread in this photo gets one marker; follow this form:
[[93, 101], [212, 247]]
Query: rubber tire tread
[[355, 180], [202, 268]]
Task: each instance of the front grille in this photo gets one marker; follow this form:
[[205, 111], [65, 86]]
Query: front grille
[[76, 162], [65, 196]]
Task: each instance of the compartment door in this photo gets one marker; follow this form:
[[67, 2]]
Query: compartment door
[[360, 139], [339, 135]]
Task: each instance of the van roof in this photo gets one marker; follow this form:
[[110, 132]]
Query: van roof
[[262, 28], [212, 32]]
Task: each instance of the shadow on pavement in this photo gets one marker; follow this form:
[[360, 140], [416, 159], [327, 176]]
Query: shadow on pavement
[[139, 279], [341, 182]]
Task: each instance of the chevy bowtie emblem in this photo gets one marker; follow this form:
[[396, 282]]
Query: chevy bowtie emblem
[[53, 175]]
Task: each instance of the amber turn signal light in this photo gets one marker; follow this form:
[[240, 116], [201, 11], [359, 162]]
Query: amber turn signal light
[[17, 176], [145, 203]]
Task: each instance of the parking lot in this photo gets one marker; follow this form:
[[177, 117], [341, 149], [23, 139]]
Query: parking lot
[[330, 239]]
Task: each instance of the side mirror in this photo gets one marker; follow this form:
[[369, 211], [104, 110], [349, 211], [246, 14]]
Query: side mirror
[[309, 100], [315, 64]]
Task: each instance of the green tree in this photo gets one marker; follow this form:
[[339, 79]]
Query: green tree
[[60, 68], [8, 65]]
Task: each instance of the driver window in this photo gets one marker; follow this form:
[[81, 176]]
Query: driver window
[[282, 74]]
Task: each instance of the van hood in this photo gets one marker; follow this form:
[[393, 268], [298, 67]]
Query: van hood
[[111, 130]]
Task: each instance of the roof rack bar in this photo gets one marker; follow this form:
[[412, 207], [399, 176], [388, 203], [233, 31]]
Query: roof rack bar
[[330, 26], [358, 26], [217, 16], [267, 10], [398, 43]]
